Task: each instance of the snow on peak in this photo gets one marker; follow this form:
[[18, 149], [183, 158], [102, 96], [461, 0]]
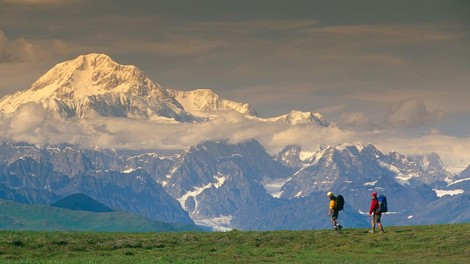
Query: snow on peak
[[344, 146], [298, 117], [95, 83], [203, 101], [90, 75]]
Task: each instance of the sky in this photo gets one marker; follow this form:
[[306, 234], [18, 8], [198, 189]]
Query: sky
[[392, 73]]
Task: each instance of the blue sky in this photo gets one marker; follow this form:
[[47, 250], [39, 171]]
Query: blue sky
[[396, 66]]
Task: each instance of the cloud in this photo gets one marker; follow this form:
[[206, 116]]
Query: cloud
[[23, 123], [171, 46], [356, 118], [10, 51], [357, 121], [23, 60], [388, 34], [31, 123], [34, 125], [412, 112], [27, 50], [453, 151]]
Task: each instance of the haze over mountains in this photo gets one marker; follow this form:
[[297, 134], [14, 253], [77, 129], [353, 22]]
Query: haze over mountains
[[191, 156]]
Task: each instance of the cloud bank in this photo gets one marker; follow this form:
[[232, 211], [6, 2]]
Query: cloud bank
[[412, 113], [34, 125]]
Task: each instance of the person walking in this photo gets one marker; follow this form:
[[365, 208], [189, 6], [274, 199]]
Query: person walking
[[333, 212], [375, 213]]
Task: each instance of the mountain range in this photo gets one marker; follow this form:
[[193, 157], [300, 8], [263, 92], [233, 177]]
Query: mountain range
[[94, 84], [215, 183]]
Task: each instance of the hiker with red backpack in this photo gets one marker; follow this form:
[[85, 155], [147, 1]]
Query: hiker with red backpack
[[376, 210], [335, 207]]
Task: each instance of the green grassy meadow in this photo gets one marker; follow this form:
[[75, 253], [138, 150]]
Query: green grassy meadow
[[404, 244]]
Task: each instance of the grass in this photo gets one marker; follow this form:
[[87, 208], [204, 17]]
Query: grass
[[406, 244], [20, 216]]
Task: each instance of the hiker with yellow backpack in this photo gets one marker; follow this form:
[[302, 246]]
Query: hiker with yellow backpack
[[336, 205]]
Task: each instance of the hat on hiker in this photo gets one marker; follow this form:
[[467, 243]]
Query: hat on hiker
[[329, 194], [374, 194]]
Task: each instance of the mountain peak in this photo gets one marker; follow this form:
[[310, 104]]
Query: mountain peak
[[204, 101], [95, 83], [296, 117], [89, 75]]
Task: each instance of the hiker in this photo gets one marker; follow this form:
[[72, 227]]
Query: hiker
[[333, 212], [375, 212]]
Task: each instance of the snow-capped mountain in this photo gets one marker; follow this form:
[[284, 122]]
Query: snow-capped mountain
[[43, 175], [202, 102], [219, 184], [460, 184], [337, 167], [216, 179], [420, 169], [95, 83], [298, 117], [347, 165], [290, 156], [464, 174]]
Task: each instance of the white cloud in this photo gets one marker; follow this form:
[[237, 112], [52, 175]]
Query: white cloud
[[34, 125], [452, 150], [27, 119], [412, 112], [356, 121]]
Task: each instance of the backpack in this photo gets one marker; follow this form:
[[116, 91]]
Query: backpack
[[383, 208], [339, 202]]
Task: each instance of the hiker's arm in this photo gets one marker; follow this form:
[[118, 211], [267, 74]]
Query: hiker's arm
[[373, 204]]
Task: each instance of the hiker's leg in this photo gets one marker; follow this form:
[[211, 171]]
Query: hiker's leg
[[334, 218], [380, 227], [379, 222]]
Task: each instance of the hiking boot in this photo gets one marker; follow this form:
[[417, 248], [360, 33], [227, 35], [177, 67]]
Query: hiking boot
[[381, 232], [372, 231], [339, 227]]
